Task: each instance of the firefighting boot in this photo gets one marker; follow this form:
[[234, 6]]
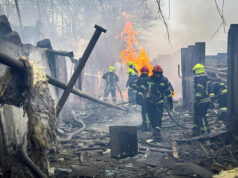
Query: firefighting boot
[[157, 135], [146, 126]]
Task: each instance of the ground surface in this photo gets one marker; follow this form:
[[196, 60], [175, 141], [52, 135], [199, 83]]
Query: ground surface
[[87, 154]]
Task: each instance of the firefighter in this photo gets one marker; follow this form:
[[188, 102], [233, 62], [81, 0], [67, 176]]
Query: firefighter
[[158, 89], [131, 65], [202, 100], [132, 78], [140, 87], [111, 79], [218, 92]]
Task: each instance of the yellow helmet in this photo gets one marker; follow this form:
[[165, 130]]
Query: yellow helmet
[[199, 69], [130, 63], [130, 71], [111, 68]]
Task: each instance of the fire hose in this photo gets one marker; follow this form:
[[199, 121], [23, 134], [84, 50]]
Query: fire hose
[[28, 160], [119, 92], [79, 121], [172, 118]]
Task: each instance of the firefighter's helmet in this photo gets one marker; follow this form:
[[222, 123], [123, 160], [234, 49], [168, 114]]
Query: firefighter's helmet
[[199, 69], [111, 68], [144, 69], [130, 64], [157, 69]]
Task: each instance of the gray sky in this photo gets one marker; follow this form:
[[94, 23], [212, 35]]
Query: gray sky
[[192, 21]]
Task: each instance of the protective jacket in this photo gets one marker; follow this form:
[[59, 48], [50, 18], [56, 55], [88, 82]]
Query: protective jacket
[[201, 89], [131, 92], [140, 87], [218, 92], [158, 89], [131, 80], [111, 79]]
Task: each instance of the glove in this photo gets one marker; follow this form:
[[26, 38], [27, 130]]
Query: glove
[[172, 93], [147, 94]]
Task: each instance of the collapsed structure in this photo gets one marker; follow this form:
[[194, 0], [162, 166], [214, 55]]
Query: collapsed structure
[[27, 88], [24, 89], [27, 92]]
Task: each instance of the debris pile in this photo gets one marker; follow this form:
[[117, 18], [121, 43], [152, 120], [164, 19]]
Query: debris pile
[[178, 155]]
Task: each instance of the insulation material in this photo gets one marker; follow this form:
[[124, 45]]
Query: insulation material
[[30, 90], [233, 173]]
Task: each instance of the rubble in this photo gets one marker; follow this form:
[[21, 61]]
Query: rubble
[[177, 151]]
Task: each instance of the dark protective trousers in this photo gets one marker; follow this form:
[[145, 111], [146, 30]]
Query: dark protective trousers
[[199, 119], [146, 125], [222, 100], [132, 96], [111, 90], [155, 113]]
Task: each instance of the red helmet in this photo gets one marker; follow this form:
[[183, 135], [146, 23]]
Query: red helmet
[[157, 68], [144, 69]]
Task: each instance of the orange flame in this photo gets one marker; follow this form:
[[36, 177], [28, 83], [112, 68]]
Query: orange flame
[[132, 52]]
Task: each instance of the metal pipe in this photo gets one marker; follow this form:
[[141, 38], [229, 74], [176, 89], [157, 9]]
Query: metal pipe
[[79, 68], [6, 60], [77, 92], [61, 53], [16, 64]]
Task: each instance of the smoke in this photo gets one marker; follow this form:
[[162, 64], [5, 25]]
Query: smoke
[[189, 22], [192, 22], [69, 26]]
